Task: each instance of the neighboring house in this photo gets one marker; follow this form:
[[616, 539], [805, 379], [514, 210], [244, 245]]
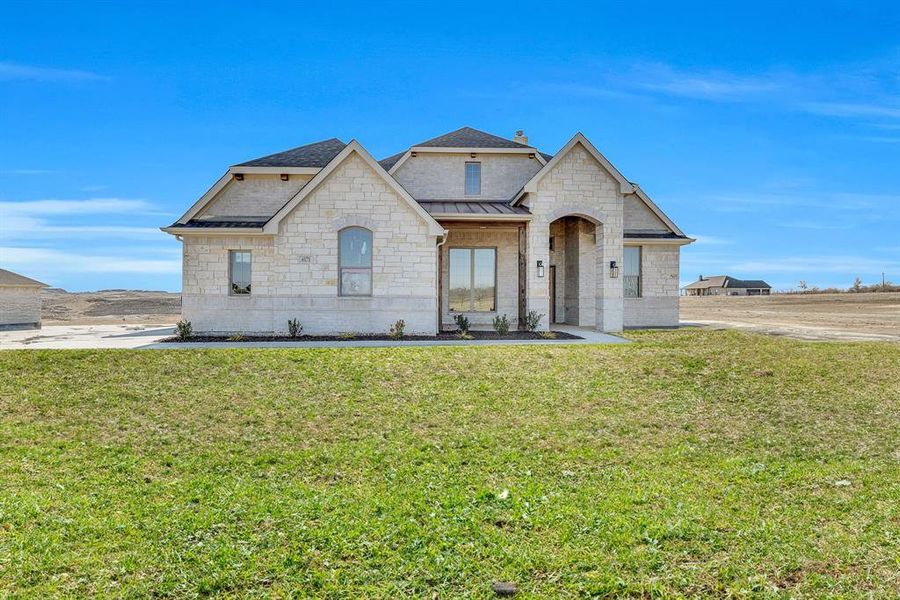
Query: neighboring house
[[723, 285], [20, 301], [466, 223]]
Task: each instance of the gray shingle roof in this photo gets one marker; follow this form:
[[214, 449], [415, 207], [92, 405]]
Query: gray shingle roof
[[317, 154], [390, 161], [467, 137], [725, 281], [10, 278], [470, 207]]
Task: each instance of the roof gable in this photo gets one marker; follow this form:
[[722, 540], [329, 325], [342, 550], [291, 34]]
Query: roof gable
[[317, 154], [353, 147], [14, 279], [468, 137]]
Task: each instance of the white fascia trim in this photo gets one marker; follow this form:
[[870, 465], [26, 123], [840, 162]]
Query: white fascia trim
[[449, 150], [273, 170], [215, 231], [200, 204], [654, 241], [271, 226], [471, 217], [656, 210], [625, 187]]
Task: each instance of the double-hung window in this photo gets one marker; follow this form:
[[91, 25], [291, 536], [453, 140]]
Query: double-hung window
[[355, 252], [631, 278], [239, 272], [473, 279], [473, 179]]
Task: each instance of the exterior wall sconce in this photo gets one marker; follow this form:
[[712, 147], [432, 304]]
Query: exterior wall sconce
[[413, 154], [540, 266], [531, 156], [613, 269], [472, 155], [285, 176], [239, 176]]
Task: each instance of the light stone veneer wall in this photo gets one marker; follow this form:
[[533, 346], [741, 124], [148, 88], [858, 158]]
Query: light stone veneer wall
[[20, 306], [506, 241], [658, 306], [639, 217], [295, 274], [442, 176], [255, 196], [578, 185]]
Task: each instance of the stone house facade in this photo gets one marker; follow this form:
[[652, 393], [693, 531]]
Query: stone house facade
[[466, 223]]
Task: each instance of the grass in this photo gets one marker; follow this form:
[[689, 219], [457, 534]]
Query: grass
[[688, 463]]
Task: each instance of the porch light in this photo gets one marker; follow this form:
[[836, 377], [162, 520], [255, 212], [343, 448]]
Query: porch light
[[540, 267], [285, 176], [413, 154], [239, 176], [613, 269], [472, 155]]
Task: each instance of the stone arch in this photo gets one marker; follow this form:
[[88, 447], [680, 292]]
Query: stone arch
[[346, 221]]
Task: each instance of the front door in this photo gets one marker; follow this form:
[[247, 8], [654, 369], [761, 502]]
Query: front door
[[552, 317]]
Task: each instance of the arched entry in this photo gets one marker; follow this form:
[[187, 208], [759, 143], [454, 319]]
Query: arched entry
[[573, 263]]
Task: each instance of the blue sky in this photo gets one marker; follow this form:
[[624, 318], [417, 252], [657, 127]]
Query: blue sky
[[770, 133]]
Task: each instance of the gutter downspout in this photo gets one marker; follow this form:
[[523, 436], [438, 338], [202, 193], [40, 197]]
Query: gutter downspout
[[440, 264]]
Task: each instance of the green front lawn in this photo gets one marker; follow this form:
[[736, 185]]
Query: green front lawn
[[688, 463]]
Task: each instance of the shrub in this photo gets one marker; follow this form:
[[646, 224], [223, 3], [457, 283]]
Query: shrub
[[348, 335], [501, 324], [464, 335], [548, 335], [533, 320], [183, 329], [236, 337], [462, 323], [397, 329], [294, 328]]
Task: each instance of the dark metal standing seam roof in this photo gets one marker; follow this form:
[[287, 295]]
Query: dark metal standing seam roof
[[237, 222], [471, 207], [317, 155]]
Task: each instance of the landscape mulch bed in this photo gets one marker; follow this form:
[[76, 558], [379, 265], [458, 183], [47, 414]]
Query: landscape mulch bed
[[443, 336]]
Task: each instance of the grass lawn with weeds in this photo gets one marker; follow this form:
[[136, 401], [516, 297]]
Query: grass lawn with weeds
[[687, 463]]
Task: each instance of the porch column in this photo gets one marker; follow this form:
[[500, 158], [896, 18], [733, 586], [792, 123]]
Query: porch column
[[537, 289], [609, 301]]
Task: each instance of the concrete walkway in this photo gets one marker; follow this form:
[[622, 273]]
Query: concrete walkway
[[148, 337]]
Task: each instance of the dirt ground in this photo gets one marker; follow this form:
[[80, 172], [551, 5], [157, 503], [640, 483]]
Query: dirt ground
[[110, 307], [807, 316]]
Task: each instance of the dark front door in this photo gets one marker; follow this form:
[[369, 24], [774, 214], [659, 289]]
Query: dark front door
[[552, 317]]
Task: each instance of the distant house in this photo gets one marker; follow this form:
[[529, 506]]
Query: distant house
[[20, 301], [723, 285]]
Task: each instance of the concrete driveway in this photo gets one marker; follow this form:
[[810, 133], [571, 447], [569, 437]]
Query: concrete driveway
[[85, 336]]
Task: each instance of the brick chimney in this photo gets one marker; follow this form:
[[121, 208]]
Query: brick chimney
[[521, 138]]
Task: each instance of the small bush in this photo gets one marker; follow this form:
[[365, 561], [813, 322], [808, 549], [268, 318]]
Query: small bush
[[184, 329], [464, 335], [533, 320], [294, 328], [501, 324], [236, 337], [397, 329], [548, 335], [462, 323], [348, 335]]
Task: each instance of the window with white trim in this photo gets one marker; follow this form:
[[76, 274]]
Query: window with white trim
[[473, 279], [473, 179], [631, 272], [239, 272], [355, 257]]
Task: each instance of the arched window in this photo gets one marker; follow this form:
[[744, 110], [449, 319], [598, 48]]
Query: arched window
[[355, 261]]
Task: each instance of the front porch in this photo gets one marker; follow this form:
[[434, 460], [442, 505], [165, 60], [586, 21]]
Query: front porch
[[512, 265]]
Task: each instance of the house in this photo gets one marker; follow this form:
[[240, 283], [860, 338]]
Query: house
[[723, 285], [20, 301], [466, 223]]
